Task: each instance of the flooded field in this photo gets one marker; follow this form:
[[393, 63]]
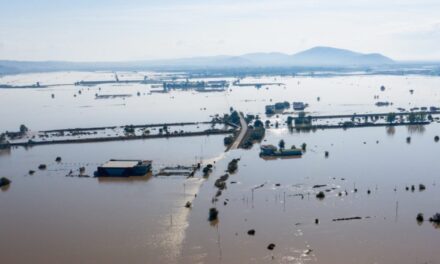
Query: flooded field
[[369, 174]]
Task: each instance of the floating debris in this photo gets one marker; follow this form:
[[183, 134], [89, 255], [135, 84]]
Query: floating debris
[[188, 204], [31, 172], [42, 167], [347, 219], [319, 186], [58, 159], [422, 187], [251, 232], [259, 186]]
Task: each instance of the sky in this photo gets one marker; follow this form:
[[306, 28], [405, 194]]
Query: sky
[[126, 30]]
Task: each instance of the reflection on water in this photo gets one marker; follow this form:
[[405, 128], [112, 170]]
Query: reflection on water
[[391, 130], [416, 129], [5, 152], [281, 157], [121, 180]]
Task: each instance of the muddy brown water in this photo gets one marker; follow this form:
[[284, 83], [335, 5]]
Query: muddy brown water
[[50, 218], [387, 233]]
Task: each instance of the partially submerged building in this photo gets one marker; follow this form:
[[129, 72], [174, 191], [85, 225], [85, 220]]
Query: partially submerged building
[[271, 150], [124, 168], [299, 106]]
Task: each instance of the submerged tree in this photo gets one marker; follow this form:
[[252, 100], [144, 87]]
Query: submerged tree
[[23, 129], [391, 117], [281, 144], [304, 146], [258, 123]]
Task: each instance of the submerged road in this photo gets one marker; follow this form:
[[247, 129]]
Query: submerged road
[[243, 131]]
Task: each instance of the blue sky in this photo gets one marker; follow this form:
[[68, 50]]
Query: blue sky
[[137, 30]]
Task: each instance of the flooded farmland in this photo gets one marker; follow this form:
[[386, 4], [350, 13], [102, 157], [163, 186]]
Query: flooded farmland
[[371, 178]]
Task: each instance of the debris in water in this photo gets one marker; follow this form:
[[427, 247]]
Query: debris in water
[[42, 167], [188, 204], [347, 219]]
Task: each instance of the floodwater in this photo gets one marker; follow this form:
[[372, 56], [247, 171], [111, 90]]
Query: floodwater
[[50, 218]]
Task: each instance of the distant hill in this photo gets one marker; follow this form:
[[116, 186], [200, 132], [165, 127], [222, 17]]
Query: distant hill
[[323, 56], [318, 56]]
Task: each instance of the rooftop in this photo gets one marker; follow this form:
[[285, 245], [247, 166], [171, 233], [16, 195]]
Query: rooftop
[[121, 163]]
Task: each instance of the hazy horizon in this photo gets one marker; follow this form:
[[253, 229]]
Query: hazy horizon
[[133, 30]]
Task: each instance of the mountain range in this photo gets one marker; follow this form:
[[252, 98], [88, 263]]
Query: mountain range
[[317, 56]]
